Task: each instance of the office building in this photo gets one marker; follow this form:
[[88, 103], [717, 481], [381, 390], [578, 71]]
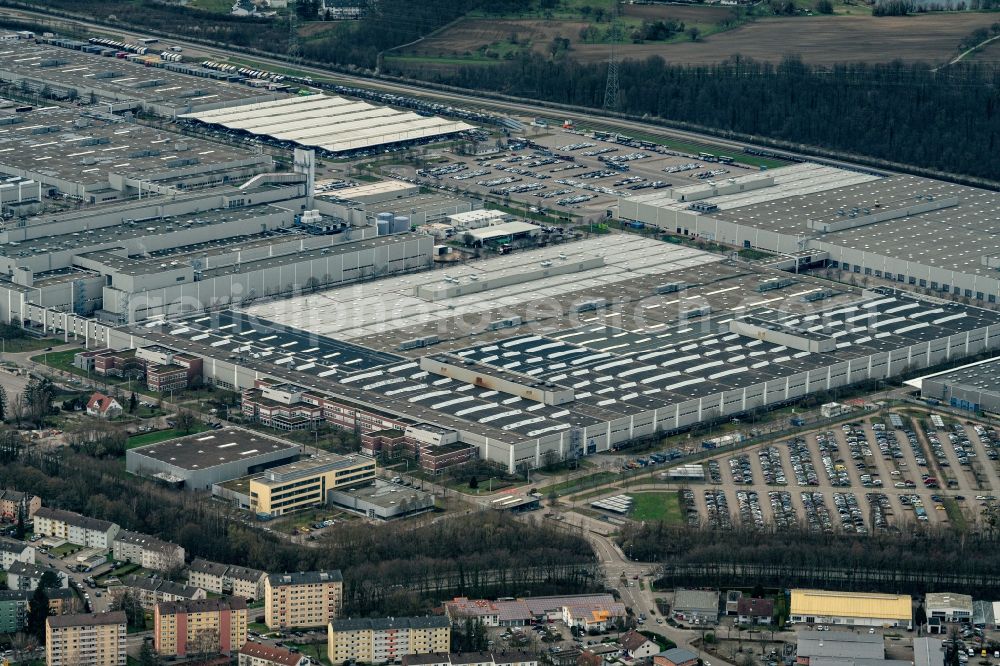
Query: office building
[[305, 483]]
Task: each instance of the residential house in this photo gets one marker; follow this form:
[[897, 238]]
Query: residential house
[[76, 529], [63, 601], [21, 576], [13, 501], [91, 639], [212, 626], [151, 590], [638, 646], [103, 406], [257, 654], [149, 552], [226, 579], [15, 551], [303, 599], [755, 611]]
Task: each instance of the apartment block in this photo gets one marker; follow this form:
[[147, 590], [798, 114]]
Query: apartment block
[[258, 654], [151, 590], [471, 659], [386, 640], [15, 551], [14, 607], [149, 552], [226, 579], [21, 576], [92, 639], [12, 501], [303, 599], [63, 601], [75, 528], [208, 626], [304, 484]]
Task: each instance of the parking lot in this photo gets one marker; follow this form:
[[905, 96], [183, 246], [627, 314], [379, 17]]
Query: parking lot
[[565, 171], [876, 473]]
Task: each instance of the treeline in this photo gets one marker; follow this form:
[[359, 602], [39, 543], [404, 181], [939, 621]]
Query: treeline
[[259, 33], [918, 552], [947, 120], [392, 567]]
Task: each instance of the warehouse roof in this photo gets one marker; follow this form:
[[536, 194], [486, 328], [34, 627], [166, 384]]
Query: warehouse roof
[[85, 147], [334, 124], [117, 78], [215, 447], [983, 376], [873, 606], [935, 600], [840, 644]]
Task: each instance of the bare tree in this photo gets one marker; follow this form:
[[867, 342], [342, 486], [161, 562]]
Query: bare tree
[[185, 420]]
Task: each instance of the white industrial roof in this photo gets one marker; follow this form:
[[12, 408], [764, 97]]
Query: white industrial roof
[[335, 124]]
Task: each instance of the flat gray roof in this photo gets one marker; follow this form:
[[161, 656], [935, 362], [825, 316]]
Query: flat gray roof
[[215, 447], [385, 495], [65, 68], [956, 237], [980, 377], [84, 147]]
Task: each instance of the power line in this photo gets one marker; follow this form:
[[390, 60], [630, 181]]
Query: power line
[[611, 93]]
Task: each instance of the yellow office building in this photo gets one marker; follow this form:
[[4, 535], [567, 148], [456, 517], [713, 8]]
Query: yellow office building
[[303, 599], [387, 640], [91, 639], [304, 484]]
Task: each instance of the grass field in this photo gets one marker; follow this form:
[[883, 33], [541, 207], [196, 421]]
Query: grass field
[[19, 345], [63, 360], [851, 35], [147, 438], [657, 506], [579, 484]]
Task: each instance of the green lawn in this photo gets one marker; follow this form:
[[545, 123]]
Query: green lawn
[[27, 344], [955, 515], [578, 484], [161, 435], [657, 506], [63, 360], [64, 550], [258, 627]]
